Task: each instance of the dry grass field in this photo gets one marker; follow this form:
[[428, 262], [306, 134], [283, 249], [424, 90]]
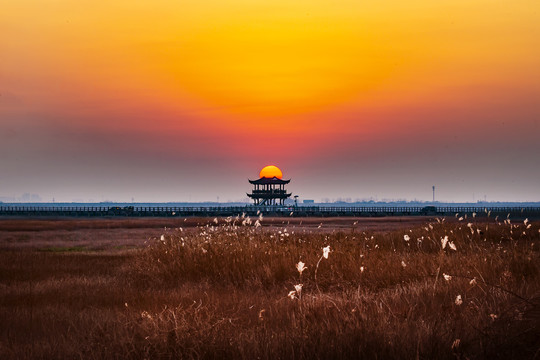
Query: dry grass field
[[384, 288]]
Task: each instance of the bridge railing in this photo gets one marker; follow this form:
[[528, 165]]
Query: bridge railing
[[255, 210]]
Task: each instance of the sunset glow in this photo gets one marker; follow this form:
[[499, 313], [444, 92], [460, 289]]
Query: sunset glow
[[363, 93]]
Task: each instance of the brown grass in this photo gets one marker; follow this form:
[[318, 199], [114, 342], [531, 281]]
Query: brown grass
[[221, 292]]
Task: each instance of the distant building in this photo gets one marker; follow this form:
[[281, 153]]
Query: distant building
[[269, 191], [306, 201]]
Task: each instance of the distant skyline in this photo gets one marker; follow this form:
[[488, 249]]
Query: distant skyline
[[184, 101]]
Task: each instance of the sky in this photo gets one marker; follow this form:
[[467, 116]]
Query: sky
[[170, 100]]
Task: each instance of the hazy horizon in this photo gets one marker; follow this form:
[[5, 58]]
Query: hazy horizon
[[28, 198]]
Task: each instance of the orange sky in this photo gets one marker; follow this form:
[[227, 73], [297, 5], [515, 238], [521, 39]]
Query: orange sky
[[290, 81]]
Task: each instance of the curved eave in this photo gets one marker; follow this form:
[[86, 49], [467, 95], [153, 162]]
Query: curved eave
[[265, 181]]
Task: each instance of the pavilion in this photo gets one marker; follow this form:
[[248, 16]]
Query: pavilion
[[269, 190]]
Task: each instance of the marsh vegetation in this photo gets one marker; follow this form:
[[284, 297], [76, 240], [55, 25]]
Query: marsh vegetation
[[230, 288]]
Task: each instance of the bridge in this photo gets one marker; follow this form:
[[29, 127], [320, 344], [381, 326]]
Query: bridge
[[294, 211]]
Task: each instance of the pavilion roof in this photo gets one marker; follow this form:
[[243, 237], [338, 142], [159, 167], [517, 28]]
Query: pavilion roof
[[265, 181]]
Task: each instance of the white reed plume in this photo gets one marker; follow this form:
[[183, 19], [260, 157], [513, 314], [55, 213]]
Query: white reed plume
[[473, 214], [447, 277], [444, 241], [403, 264], [525, 221], [458, 300], [362, 269], [296, 293], [146, 315], [460, 218], [452, 246], [326, 251], [472, 282], [162, 237], [301, 267], [215, 220], [406, 237], [257, 223]]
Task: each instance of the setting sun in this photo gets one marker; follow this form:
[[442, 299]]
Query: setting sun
[[271, 171]]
